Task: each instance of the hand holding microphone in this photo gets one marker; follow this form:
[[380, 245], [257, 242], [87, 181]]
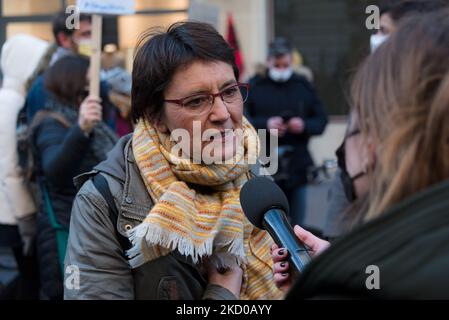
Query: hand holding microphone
[[281, 267], [265, 206]]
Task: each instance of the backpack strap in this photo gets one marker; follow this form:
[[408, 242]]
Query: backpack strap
[[101, 184], [42, 115]]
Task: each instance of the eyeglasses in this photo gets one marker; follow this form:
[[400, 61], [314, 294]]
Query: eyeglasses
[[234, 95], [340, 153]]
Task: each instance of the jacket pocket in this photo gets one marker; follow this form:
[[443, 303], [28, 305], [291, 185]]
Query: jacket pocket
[[168, 288]]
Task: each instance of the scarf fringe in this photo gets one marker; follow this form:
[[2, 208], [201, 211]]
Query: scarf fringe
[[225, 259], [153, 235], [163, 231]]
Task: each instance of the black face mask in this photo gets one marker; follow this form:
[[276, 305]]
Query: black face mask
[[346, 179]]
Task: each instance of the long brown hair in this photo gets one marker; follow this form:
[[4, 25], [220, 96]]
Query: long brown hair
[[67, 79], [401, 96]]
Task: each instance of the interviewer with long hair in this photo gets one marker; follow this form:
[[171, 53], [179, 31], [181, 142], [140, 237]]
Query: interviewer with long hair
[[395, 161]]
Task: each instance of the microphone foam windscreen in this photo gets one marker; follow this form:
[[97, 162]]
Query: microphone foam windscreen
[[258, 196]]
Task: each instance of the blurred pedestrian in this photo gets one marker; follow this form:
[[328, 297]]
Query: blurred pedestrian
[[68, 42], [287, 105], [20, 56], [69, 137], [393, 11], [395, 162], [119, 81], [299, 66]]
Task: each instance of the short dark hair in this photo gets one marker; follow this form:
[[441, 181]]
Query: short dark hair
[[161, 53], [66, 79], [279, 47], [59, 24], [401, 9]]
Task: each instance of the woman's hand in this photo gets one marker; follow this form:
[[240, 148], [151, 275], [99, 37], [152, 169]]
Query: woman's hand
[[296, 125], [276, 126], [281, 268], [90, 113], [229, 278]]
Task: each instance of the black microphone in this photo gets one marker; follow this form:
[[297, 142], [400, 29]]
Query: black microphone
[[266, 206]]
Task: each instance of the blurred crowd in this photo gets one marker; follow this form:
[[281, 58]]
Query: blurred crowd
[[52, 131]]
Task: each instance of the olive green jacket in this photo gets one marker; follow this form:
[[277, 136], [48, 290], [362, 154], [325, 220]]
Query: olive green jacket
[[94, 249]]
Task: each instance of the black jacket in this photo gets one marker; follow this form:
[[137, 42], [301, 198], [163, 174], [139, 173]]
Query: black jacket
[[293, 98], [409, 245], [61, 154]]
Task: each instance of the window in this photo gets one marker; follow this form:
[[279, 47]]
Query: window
[[34, 17], [30, 7], [38, 29], [131, 27], [144, 5]]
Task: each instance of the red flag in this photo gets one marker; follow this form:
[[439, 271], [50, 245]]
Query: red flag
[[231, 38]]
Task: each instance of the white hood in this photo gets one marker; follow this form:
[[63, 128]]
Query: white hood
[[19, 58]]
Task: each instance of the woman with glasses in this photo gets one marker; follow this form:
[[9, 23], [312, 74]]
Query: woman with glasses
[[395, 167], [157, 219]]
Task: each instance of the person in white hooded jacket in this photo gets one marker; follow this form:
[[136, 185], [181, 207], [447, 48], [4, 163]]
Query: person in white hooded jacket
[[19, 58]]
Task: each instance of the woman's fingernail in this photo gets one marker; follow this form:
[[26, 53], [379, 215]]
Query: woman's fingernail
[[281, 252], [282, 264]]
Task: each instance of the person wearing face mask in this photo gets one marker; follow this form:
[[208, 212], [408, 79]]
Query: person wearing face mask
[[286, 104], [68, 42], [394, 162], [343, 192], [393, 11]]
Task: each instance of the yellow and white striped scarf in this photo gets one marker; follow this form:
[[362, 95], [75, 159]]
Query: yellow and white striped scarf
[[199, 224]]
